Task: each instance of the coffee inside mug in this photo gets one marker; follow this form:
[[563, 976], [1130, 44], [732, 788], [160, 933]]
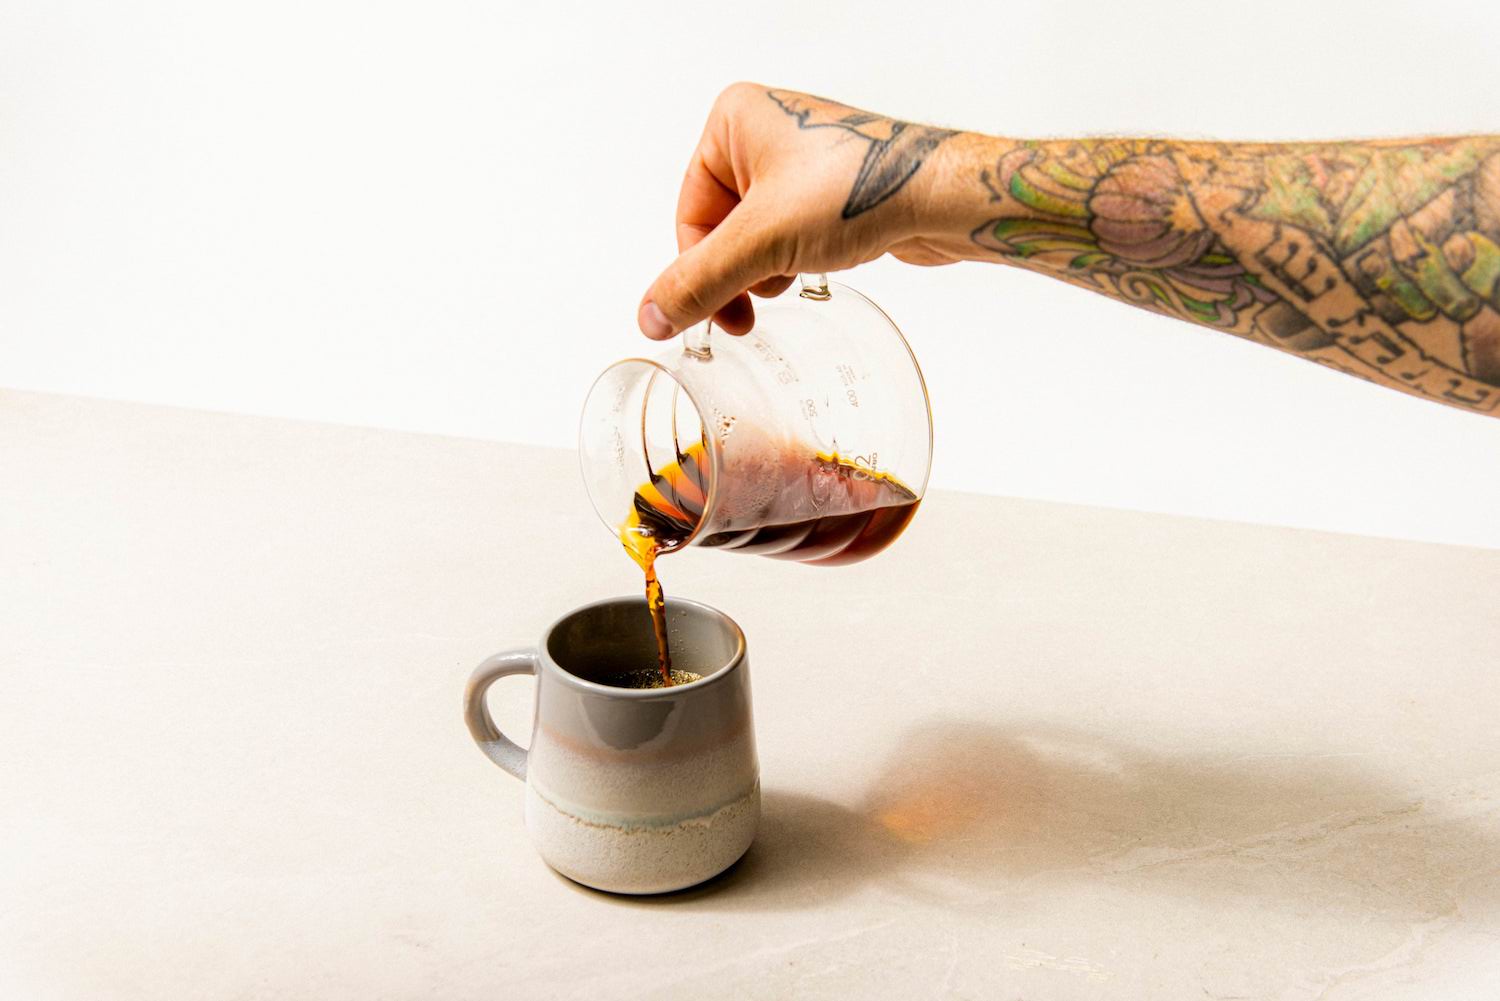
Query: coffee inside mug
[[613, 644]]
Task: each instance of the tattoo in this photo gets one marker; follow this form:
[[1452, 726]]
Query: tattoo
[[897, 149], [1380, 259]]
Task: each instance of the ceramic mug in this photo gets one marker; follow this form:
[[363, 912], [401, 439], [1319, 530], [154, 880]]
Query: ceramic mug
[[631, 790]]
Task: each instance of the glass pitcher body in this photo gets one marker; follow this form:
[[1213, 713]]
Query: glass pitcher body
[[809, 438]]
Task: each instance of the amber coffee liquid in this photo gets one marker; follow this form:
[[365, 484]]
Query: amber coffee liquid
[[866, 512]]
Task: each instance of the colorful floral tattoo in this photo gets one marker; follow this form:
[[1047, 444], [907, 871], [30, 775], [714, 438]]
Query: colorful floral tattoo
[[1381, 259]]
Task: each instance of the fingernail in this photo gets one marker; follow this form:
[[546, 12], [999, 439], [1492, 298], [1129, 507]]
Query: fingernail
[[654, 322]]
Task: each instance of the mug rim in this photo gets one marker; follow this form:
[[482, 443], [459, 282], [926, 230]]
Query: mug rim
[[583, 684]]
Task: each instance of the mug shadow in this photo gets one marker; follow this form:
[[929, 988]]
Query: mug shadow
[[966, 805]]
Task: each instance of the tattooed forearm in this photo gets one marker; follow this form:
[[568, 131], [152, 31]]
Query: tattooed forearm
[[1381, 259], [896, 152]]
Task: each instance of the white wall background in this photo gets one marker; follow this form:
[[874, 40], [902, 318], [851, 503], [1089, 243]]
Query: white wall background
[[440, 216]]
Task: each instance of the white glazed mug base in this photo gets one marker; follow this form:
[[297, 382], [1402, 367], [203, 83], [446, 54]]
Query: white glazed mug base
[[630, 859]]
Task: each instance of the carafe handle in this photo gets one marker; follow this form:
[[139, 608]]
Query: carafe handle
[[695, 340], [815, 287]]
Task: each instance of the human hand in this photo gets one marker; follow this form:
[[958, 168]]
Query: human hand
[[782, 183]]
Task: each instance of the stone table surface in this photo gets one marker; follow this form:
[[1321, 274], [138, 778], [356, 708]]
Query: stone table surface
[[1033, 751]]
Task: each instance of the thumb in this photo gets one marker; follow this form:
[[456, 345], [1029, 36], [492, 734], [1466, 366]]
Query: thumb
[[707, 276]]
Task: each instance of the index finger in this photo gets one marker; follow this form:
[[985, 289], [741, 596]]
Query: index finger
[[703, 203]]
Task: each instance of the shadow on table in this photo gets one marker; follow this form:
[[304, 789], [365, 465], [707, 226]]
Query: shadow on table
[[962, 806]]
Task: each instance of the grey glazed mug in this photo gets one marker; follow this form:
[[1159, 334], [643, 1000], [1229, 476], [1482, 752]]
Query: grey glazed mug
[[631, 790]]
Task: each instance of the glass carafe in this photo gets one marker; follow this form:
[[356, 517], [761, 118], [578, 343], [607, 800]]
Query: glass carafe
[[808, 438]]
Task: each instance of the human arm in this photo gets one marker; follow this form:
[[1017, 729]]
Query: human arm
[[1380, 258]]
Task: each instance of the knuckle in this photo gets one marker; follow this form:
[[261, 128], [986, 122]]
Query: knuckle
[[767, 243], [775, 249], [684, 297], [735, 94]]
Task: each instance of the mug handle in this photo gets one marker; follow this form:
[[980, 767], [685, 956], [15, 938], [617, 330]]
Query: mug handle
[[497, 746]]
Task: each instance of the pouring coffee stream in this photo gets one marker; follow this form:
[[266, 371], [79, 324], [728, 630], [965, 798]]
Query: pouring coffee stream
[[742, 443], [867, 513]]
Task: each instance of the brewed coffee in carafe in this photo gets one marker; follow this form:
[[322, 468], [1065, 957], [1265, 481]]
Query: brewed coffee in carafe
[[859, 515], [808, 439]]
